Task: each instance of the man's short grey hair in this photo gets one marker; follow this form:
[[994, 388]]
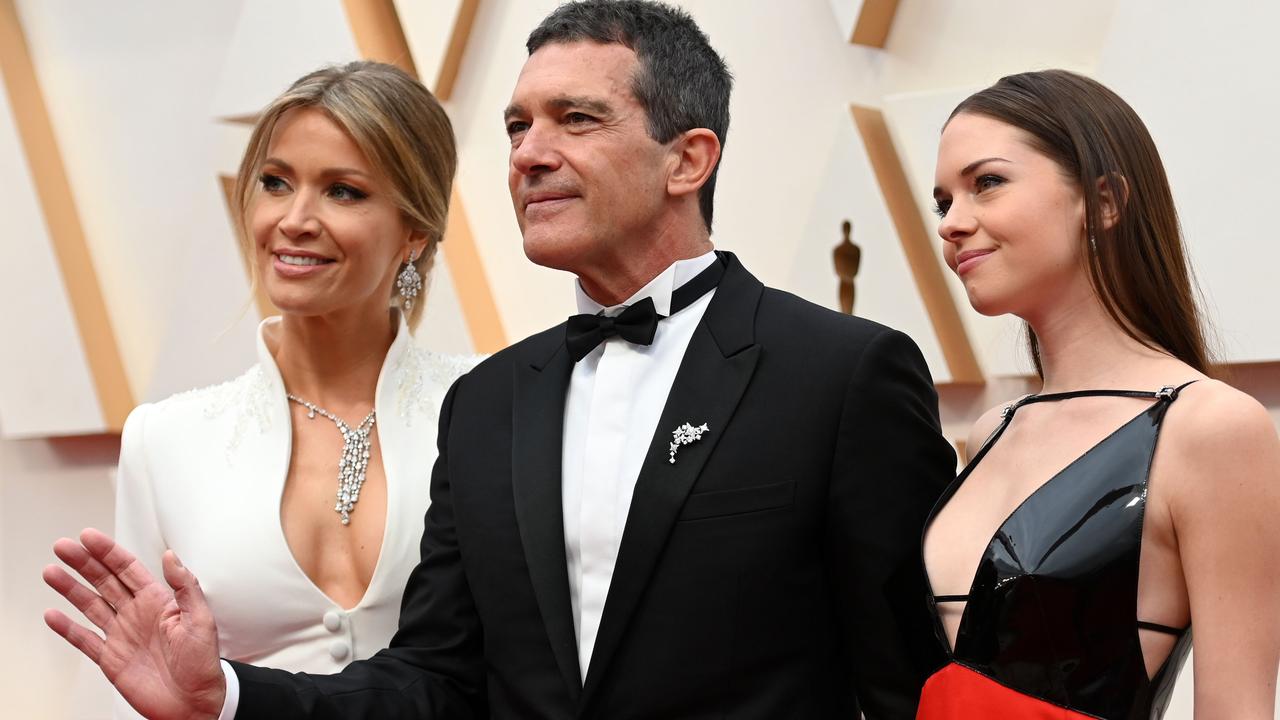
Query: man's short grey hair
[[682, 83]]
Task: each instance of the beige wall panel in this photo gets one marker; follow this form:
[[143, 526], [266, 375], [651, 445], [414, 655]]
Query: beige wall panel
[[1211, 103], [275, 43], [48, 489], [46, 384], [139, 146], [444, 325], [429, 29], [865, 22], [947, 44]]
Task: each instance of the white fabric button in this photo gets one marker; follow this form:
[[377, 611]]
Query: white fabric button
[[332, 621], [339, 650]]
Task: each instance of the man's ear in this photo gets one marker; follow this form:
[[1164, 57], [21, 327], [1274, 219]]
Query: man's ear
[[1113, 196], [695, 153]]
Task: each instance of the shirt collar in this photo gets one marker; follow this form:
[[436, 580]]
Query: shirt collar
[[660, 288]]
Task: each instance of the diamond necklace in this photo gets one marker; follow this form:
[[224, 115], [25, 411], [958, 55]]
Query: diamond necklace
[[355, 456]]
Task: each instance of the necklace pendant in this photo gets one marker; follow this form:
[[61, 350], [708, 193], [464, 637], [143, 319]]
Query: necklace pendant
[[354, 460]]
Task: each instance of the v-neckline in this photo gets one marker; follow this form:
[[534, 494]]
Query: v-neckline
[[284, 537], [955, 485]]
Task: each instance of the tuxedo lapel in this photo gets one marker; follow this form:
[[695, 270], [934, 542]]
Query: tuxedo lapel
[[716, 369], [537, 441]]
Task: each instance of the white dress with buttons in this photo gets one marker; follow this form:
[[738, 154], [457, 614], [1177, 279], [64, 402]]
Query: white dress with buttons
[[203, 472]]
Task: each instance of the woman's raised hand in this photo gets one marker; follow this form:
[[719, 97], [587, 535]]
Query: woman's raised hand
[[159, 646]]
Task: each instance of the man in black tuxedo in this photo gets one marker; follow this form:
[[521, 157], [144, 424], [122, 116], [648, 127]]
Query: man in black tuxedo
[[699, 498]]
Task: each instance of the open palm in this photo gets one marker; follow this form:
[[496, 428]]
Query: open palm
[[159, 646]]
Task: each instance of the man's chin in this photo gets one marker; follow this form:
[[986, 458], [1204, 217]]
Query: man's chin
[[551, 250]]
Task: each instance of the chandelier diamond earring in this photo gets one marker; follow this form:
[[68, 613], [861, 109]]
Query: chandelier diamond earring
[[409, 283]]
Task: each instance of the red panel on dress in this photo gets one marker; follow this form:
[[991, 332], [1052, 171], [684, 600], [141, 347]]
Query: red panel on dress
[[957, 693]]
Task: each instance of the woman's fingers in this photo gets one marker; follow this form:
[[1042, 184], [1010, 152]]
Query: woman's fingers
[[85, 600], [103, 580], [80, 637]]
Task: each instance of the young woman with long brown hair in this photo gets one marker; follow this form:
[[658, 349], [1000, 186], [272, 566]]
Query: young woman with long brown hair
[[1134, 496]]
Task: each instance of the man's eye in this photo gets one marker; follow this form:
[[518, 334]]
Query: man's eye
[[342, 191], [516, 126], [577, 118]]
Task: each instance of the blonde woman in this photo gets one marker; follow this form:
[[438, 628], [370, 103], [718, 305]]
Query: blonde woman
[[297, 490]]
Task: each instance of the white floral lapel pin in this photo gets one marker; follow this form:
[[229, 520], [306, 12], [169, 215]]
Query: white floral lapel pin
[[686, 434]]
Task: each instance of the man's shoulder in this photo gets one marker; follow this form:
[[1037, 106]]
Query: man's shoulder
[[536, 349], [784, 312]]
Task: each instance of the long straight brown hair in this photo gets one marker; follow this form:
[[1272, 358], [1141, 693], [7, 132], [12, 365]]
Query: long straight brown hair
[[1138, 266]]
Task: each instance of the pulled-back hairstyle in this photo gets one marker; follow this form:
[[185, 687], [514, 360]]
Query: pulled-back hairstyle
[[1138, 267], [681, 81], [398, 125]]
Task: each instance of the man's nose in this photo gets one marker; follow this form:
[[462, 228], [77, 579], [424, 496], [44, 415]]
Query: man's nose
[[536, 152]]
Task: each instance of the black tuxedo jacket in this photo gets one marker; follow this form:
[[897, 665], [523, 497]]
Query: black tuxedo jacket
[[773, 571]]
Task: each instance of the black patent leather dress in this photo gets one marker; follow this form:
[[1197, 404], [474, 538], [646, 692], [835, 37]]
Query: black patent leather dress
[[1050, 629]]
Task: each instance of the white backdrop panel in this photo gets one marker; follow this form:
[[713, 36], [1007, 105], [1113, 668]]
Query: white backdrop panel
[[275, 43], [45, 386], [428, 26], [1203, 78]]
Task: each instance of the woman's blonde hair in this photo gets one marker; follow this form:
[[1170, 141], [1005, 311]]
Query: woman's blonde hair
[[399, 126]]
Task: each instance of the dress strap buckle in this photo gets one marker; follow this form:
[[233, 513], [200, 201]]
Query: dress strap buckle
[[1168, 392]]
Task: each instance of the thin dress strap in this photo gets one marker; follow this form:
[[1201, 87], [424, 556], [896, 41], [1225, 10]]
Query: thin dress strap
[[1168, 393]]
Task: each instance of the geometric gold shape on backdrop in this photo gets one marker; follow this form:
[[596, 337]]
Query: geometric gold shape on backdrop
[[479, 309], [925, 269], [874, 22], [865, 22], [375, 25], [448, 73], [66, 234]]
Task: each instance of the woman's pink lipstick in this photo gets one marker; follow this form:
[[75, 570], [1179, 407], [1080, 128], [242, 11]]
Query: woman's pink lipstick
[[288, 270], [968, 260]]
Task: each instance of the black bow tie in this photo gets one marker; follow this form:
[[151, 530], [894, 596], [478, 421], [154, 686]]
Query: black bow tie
[[639, 322]]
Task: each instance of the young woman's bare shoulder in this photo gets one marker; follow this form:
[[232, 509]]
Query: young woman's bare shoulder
[[1210, 414], [983, 427], [1217, 442]]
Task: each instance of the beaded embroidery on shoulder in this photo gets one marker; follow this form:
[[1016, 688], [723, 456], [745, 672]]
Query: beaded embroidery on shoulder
[[249, 396], [422, 377]]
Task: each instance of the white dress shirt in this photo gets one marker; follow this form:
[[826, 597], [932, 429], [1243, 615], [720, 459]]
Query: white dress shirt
[[615, 399]]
